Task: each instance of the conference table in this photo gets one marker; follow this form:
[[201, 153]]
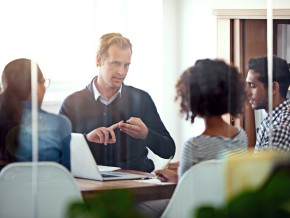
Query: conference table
[[141, 190]]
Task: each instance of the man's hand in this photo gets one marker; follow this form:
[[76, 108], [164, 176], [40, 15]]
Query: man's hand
[[135, 128], [103, 135]]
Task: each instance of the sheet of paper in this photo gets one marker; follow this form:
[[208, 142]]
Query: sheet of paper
[[107, 168], [155, 181]]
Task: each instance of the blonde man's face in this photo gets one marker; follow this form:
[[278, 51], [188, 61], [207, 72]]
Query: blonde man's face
[[114, 66]]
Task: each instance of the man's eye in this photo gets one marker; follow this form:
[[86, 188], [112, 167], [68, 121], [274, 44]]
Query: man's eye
[[251, 85], [116, 64]]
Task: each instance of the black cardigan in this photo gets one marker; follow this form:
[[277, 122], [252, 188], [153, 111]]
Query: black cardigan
[[86, 114]]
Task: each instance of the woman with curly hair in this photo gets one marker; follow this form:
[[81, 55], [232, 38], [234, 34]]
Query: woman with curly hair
[[209, 89]]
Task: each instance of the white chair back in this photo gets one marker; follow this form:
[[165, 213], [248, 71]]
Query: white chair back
[[202, 184], [42, 190]]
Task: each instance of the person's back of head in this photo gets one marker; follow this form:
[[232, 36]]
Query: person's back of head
[[109, 39], [281, 73], [16, 81], [16, 78], [210, 88]]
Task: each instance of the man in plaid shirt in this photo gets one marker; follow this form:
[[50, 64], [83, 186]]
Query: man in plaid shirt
[[274, 133]]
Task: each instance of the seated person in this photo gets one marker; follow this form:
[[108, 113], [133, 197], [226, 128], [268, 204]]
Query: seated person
[[16, 119], [209, 89], [119, 121], [257, 91]]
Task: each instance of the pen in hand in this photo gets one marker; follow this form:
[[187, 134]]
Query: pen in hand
[[167, 163], [165, 166]]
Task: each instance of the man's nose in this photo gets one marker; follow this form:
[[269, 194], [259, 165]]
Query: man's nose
[[248, 90], [122, 70]]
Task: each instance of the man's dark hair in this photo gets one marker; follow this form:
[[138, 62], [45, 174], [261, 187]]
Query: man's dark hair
[[281, 73]]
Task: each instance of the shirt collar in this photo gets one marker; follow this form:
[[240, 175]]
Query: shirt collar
[[97, 93], [284, 106]]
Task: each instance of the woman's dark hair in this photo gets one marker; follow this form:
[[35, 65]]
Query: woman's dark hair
[[16, 82], [210, 88], [281, 73]]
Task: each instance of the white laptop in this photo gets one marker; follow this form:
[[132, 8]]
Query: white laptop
[[83, 164]]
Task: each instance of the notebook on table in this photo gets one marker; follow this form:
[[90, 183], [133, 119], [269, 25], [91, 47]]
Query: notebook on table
[[83, 164]]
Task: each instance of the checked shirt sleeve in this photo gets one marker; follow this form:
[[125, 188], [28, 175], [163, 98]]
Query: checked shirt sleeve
[[280, 139], [280, 134]]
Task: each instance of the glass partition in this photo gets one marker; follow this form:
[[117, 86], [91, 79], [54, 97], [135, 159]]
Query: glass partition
[[62, 37]]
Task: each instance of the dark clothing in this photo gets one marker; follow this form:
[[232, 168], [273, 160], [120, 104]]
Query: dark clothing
[[87, 114]]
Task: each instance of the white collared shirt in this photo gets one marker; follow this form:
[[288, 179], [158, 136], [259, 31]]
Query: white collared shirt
[[103, 99]]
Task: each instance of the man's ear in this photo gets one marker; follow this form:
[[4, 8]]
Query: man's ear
[[276, 88], [99, 60]]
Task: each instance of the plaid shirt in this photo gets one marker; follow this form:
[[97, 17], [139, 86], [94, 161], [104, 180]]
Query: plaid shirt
[[280, 130]]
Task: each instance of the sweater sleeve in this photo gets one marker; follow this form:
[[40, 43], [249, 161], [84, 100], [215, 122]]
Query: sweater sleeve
[[158, 140], [68, 110], [64, 108]]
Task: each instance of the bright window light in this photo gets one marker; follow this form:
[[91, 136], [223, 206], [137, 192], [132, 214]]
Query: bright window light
[[62, 36]]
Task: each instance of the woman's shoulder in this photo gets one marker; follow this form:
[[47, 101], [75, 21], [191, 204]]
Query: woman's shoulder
[[202, 140], [60, 121], [197, 141]]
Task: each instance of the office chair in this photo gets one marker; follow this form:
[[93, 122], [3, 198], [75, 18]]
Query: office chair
[[202, 184], [42, 189], [213, 182]]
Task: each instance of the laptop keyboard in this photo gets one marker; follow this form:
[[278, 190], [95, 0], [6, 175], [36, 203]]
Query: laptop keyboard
[[108, 175]]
